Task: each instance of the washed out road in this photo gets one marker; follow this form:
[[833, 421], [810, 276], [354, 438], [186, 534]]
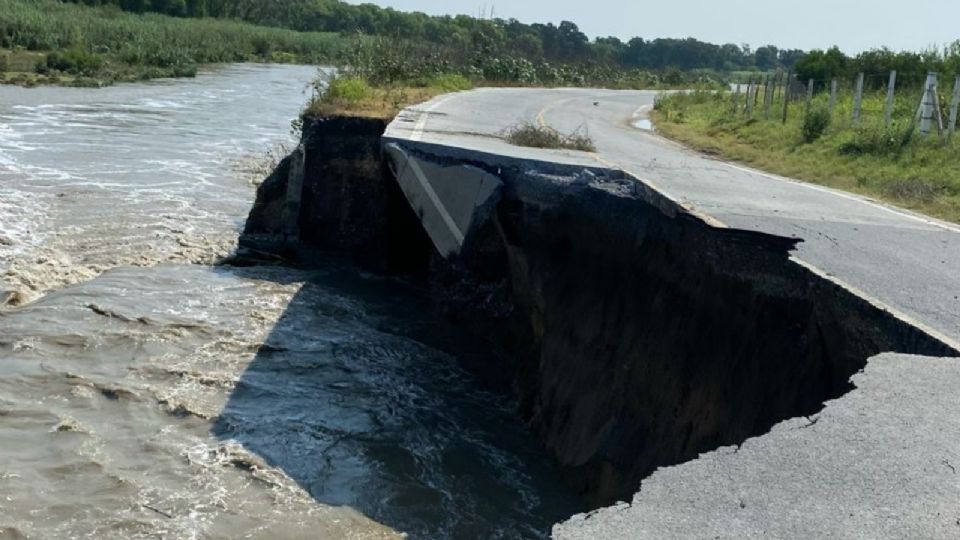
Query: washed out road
[[906, 262], [879, 462]]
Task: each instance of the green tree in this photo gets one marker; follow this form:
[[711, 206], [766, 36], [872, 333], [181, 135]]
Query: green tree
[[822, 65], [789, 57], [766, 58]]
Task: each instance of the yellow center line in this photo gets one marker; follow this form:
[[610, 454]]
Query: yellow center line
[[689, 208]]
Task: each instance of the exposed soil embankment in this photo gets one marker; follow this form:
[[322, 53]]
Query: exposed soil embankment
[[345, 206], [638, 336]]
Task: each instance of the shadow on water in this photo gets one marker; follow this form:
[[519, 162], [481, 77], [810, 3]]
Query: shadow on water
[[360, 396]]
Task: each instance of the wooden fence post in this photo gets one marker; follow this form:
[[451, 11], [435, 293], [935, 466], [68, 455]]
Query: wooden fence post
[[746, 98], [809, 97], [768, 97], [833, 96], [891, 86], [857, 99], [786, 96], [954, 105], [736, 99], [750, 91]]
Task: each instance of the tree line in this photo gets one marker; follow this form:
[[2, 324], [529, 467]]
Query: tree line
[[876, 65], [563, 43]]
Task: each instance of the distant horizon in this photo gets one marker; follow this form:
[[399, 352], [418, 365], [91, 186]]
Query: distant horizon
[[853, 29]]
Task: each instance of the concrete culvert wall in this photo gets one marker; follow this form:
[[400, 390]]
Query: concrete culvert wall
[[638, 336]]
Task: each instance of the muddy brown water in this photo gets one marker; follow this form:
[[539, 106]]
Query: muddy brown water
[[146, 392]]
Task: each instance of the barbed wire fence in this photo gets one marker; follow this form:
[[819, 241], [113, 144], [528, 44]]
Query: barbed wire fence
[[779, 96]]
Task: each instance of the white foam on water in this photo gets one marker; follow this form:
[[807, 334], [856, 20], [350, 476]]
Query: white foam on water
[[85, 170], [127, 349], [162, 104]]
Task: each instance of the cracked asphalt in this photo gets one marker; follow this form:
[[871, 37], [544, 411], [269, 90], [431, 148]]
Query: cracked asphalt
[[879, 462]]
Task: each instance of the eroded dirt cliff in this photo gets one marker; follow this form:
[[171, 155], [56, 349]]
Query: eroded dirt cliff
[[636, 336]]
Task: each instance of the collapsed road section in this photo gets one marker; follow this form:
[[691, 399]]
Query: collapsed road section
[[638, 336]]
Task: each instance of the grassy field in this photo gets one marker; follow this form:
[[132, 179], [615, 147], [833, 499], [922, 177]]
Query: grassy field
[[894, 164], [45, 41]]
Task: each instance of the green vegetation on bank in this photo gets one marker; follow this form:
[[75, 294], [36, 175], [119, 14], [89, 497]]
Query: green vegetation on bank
[[894, 163], [355, 97], [76, 44]]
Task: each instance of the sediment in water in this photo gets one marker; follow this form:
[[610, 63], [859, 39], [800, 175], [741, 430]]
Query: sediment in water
[[637, 335]]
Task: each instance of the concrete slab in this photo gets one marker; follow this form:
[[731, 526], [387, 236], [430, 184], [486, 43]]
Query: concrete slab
[[450, 201]]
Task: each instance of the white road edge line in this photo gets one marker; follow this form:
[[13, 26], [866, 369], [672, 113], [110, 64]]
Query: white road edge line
[[879, 305], [822, 189], [875, 302], [421, 124], [428, 189], [849, 196], [823, 274]]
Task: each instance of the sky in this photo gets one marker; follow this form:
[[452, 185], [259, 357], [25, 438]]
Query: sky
[[853, 25]]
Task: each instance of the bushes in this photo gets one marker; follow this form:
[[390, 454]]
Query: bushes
[[815, 124], [333, 93], [451, 83], [350, 89], [673, 106], [534, 136], [879, 140], [75, 61]]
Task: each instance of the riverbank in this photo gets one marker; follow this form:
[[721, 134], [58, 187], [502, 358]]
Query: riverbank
[[892, 164], [48, 42]]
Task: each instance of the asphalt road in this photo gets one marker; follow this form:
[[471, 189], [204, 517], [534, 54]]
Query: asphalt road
[[881, 461], [904, 262]]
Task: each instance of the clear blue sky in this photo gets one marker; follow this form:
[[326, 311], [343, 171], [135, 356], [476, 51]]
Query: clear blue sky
[[854, 25]]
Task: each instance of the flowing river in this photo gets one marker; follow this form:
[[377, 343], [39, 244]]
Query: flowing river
[[146, 392]]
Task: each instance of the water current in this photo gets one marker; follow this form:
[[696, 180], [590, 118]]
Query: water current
[[148, 392]]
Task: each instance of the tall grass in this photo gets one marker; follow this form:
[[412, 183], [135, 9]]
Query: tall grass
[[153, 40], [893, 163], [535, 136]]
